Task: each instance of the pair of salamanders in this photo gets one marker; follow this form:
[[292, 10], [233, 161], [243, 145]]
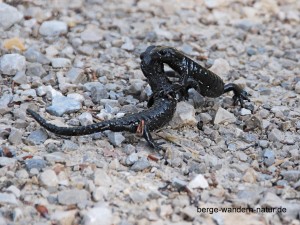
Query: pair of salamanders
[[166, 94]]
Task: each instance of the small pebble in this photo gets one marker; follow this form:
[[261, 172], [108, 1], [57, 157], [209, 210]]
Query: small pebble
[[115, 138], [198, 182], [98, 215], [140, 165], [53, 28], [37, 137], [269, 157], [131, 159], [73, 196], [35, 163], [223, 116], [61, 105], [10, 64], [184, 115], [48, 178], [9, 16], [60, 62]]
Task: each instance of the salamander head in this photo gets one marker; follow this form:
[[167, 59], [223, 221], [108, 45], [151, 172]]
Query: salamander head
[[160, 53]]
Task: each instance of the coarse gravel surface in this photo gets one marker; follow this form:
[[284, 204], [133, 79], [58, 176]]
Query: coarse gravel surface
[[77, 62]]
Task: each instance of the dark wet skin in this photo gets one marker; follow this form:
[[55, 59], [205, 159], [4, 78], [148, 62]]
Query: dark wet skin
[[162, 103], [193, 75], [163, 106]]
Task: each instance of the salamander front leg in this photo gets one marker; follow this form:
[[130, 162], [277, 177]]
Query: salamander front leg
[[239, 94], [149, 139]]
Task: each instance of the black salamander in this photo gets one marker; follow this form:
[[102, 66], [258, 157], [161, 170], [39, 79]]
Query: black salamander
[[193, 75], [163, 105]]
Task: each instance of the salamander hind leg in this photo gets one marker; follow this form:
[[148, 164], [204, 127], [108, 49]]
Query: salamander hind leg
[[239, 94]]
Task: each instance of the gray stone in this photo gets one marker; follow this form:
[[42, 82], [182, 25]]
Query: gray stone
[[64, 217], [37, 137], [264, 91], [20, 78], [128, 45], [86, 49], [53, 28], [92, 34], [6, 198], [102, 178], [297, 87], [184, 115], [38, 164], [98, 215], [76, 76], [223, 116], [48, 178], [128, 149], [10, 64], [198, 181], [9, 16], [269, 157], [220, 67], [178, 183], [151, 36], [34, 56], [232, 147], [242, 156], [17, 215], [138, 196], [253, 123], [291, 175], [71, 197], [136, 86], [8, 162], [282, 183], [4, 101], [89, 85], [250, 138], [131, 159], [195, 98], [69, 146], [205, 117], [98, 93], [245, 112], [28, 94], [15, 137], [49, 91], [115, 138], [61, 105], [56, 157], [263, 143], [140, 165], [22, 174], [85, 118], [60, 62], [250, 51], [2, 220], [276, 135], [35, 69], [271, 200]]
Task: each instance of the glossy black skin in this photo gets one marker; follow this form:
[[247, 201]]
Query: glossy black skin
[[163, 106], [153, 69], [193, 75], [155, 117]]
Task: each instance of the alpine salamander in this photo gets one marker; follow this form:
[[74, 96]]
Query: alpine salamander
[[193, 75], [162, 107]]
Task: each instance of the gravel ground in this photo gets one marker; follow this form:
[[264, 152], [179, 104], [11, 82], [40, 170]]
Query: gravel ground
[[77, 62]]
